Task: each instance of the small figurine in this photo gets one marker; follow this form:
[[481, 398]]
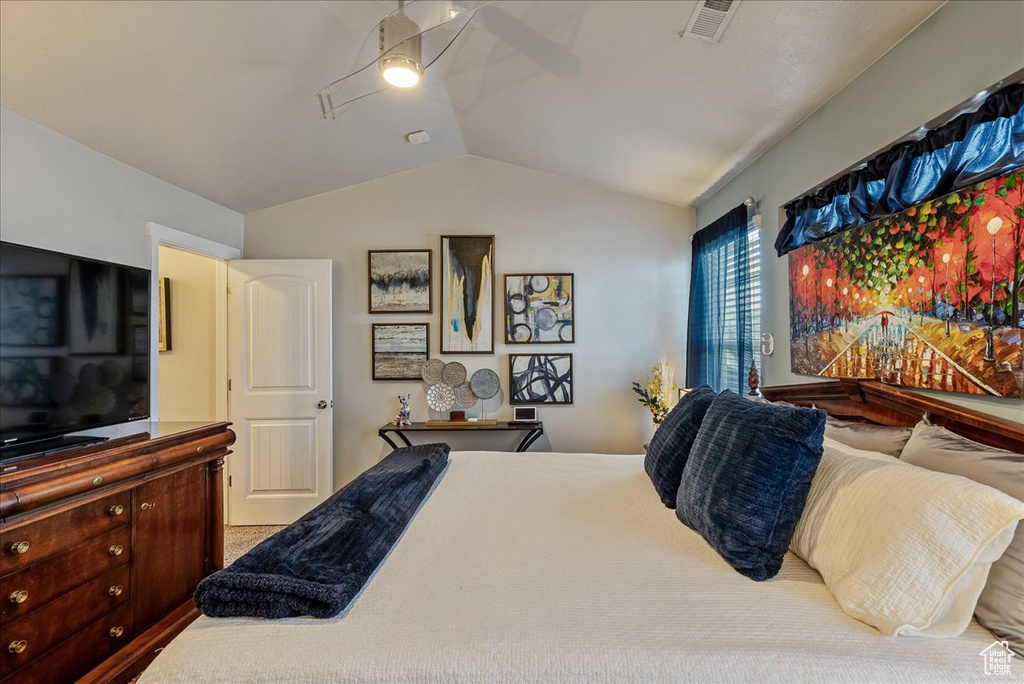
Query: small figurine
[[402, 418]]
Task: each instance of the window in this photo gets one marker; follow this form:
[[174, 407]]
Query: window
[[725, 303]]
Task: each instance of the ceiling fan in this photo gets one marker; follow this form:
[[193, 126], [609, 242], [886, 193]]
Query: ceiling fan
[[408, 40]]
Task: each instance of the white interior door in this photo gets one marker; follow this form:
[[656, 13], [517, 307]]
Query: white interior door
[[279, 399]]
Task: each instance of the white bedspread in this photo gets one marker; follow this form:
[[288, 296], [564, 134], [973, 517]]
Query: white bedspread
[[547, 567]]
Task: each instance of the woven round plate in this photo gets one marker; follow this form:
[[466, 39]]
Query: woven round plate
[[464, 397], [454, 374], [485, 383], [440, 397], [432, 370]]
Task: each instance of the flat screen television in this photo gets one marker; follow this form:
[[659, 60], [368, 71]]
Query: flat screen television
[[74, 348]]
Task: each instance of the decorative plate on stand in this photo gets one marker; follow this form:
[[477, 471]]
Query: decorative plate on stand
[[440, 397], [454, 374], [464, 397], [432, 371], [485, 383]]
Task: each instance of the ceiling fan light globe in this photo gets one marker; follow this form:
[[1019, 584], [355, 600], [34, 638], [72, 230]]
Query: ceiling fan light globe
[[400, 71]]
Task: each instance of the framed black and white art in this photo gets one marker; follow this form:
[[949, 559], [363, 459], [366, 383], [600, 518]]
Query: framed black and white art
[[540, 378]]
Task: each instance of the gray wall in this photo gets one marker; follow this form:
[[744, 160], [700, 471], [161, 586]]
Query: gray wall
[[630, 257], [962, 49], [58, 194]]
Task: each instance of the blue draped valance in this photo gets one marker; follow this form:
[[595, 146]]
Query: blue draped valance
[[971, 148]]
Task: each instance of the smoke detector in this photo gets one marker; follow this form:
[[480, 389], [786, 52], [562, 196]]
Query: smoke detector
[[709, 19], [417, 137]]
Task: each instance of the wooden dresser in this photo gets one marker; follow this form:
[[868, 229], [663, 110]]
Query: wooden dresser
[[100, 550]]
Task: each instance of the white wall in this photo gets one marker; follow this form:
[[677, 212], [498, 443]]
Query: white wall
[[58, 194], [630, 257], [962, 49], [187, 376]]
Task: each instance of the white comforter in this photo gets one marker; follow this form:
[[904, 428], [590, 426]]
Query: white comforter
[[547, 567]]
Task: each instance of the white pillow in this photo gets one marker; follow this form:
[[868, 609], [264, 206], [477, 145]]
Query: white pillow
[[904, 549]]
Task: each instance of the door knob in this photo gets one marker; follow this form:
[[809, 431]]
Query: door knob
[[322, 404]]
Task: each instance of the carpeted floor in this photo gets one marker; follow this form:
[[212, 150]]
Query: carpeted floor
[[239, 539]]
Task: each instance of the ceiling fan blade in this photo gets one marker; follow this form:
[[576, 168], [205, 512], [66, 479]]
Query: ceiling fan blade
[[440, 23], [544, 52]]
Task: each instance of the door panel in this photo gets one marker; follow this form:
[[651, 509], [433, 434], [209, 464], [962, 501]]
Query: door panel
[[279, 327], [170, 544]]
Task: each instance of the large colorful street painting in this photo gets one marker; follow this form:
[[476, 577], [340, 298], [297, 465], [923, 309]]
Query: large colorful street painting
[[929, 297]]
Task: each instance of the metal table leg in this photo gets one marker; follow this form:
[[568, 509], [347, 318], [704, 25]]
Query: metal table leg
[[528, 440], [383, 435]]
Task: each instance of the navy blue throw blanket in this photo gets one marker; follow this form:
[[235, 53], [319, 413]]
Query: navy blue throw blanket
[[319, 563]]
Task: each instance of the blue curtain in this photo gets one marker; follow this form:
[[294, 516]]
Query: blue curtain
[[969, 149], [720, 339]]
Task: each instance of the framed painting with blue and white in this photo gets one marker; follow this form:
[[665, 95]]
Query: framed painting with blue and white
[[540, 378], [539, 308], [400, 281], [400, 350], [467, 294]]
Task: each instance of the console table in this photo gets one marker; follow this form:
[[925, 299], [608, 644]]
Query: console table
[[533, 431]]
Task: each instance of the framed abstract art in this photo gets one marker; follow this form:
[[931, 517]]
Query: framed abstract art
[[540, 378], [467, 294], [539, 308], [399, 350], [400, 281]]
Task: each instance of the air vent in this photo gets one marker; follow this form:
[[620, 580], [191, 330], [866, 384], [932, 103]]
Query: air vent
[[709, 19]]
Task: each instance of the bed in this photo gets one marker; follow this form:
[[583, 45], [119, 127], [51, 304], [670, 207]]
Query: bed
[[567, 567]]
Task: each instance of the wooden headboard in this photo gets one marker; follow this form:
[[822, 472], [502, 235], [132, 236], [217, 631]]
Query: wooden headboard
[[871, 401]]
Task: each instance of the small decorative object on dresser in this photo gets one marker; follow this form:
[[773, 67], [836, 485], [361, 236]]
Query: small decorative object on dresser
[[400, 281], [539, 308], [402, 418], [540, 378]]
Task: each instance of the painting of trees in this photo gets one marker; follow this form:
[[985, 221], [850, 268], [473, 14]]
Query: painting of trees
[[941, 280]]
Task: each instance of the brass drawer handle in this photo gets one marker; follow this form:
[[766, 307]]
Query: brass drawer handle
[[148, 505], [116, 631], [18, 646], [116, 510], [115, 590], [19, 596], [199, 449], [116, 550], [20, 547]]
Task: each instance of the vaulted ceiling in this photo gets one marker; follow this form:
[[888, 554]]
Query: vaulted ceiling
[[217, 97]]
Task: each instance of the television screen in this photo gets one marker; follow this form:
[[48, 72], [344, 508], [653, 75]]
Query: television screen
[[74, 344]]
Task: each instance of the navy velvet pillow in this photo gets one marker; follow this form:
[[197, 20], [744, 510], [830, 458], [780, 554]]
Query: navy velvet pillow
[[746, 481], [670, 445]]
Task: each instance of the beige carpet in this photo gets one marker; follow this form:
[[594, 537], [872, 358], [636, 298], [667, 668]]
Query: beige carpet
[[239, 539]]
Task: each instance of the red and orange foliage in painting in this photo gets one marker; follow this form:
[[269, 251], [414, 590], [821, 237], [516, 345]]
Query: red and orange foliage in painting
[[927, 297]]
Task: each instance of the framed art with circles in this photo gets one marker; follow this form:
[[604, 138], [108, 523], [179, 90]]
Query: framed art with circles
[[539, 308]]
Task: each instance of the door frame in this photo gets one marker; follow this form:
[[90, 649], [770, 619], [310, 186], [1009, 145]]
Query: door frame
[[160, 235]]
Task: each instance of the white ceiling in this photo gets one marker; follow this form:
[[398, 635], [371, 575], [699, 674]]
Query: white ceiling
[[217, 97]]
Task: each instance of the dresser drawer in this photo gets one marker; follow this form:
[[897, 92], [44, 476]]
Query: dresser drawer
[[42, 629], [44, 581], [77, 655], [33, 542]]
